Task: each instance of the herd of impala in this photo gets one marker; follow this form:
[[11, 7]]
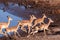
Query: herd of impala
[[29, 23]]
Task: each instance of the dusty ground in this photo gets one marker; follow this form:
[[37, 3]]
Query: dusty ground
[[38, 36]]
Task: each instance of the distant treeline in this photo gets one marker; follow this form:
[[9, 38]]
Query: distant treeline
[[42, 5], [26, 2]]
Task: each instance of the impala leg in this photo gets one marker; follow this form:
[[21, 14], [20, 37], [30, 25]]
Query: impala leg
[[50, 31], [25, 30], [6, 34], [15, 37], [44, 32], [1, 31], [29, 29], [32, 33], [35, 32], [22, 27], [29, 34], [34, 25], [15, 34], [18, 34]]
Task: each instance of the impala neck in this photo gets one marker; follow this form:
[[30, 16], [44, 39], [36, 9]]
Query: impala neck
[[31, 20], [43, 18], [8, 23]]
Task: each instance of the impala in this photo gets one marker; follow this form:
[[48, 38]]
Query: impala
[[27, 23], [40, 20], [42, 27], [13, 29], [5, 24]]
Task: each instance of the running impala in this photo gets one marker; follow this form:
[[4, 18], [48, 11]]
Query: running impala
[[5, 24], [27, 23], [13, 29], [40, 20], [42, 27]]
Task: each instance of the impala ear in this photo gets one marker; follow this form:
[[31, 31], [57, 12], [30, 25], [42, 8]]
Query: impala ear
[[48, 18], [30, 16], [8, 16]]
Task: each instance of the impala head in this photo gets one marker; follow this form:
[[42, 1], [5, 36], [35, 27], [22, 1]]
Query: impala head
[[44, 16], [33, 17], [50, 20], [9, 18]]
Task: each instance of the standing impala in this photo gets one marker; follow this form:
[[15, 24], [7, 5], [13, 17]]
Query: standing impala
[[5, 24], [40, 20], [27, 23], [42, 27], [13, 29]]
